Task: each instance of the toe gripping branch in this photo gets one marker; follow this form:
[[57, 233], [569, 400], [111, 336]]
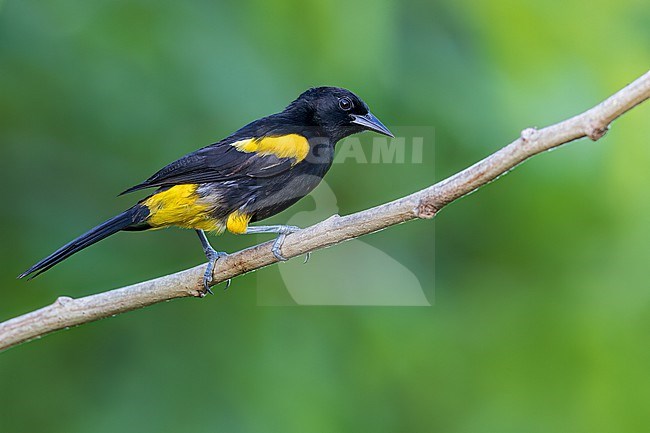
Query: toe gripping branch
[[213, 255], [282, 231]]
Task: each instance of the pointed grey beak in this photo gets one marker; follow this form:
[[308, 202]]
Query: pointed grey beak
[[370, 122]]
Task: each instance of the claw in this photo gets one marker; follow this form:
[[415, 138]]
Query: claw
[[212, 256], [277, 247], [282, 232], [307, 256]]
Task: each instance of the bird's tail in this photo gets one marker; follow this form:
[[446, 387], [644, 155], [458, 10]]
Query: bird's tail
[[131, 219]]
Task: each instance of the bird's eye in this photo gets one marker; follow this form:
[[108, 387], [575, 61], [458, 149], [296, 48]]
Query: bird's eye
[[345, 104]]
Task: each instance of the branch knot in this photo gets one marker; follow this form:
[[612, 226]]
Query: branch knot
[[528, 135], [63, 300], [425, 210], [594, 131]]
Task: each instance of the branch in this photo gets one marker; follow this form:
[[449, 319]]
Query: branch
[[66, 312]]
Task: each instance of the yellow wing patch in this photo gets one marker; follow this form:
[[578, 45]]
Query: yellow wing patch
[[179, 206], [284, 146], [237, 222]]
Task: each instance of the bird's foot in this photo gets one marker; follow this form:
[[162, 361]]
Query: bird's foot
[[212, 256], [276, 249]]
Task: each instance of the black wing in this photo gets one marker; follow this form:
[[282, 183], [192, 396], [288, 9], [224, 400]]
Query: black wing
[[221, 162]]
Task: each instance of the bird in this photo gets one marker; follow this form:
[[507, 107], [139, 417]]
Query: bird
[[254, 173]]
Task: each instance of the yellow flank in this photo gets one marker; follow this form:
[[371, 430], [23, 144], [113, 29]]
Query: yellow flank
[[237, 222], [285, 146], [179, 206]]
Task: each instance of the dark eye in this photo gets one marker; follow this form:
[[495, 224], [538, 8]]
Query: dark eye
[[345, 104]]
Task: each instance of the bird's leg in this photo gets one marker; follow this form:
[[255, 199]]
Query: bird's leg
[[282, 232], [212, 255]]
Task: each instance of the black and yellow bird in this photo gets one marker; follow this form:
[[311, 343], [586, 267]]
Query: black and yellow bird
[[255, 173]]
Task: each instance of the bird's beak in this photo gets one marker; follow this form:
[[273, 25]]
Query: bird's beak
[[369, 121]]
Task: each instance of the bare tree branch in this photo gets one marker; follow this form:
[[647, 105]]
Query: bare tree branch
[[66, 312]]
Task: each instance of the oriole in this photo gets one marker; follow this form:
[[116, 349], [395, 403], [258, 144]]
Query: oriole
[[258, 171]]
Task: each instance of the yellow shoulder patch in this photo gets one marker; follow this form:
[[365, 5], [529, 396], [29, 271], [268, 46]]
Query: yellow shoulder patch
[[284, 146], [180, 206], [237, 222]]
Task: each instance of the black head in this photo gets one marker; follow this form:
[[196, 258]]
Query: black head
[[337, 112]]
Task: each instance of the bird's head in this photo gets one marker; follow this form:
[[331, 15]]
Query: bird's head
[[337, 112]]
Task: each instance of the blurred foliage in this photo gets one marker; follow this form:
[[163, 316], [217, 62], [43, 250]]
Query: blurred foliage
[[542, 304]]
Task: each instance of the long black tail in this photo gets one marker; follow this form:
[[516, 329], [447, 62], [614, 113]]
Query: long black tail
[[132, 219]]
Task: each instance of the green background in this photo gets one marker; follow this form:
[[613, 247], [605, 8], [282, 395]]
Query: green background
[[541, 301]]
